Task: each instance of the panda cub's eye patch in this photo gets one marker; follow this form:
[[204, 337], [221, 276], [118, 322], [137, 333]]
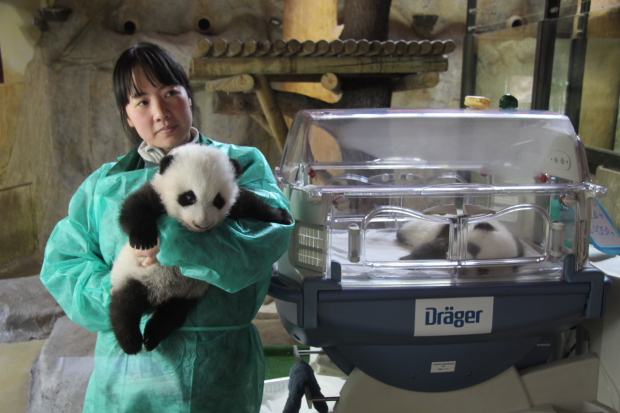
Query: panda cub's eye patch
[[187, 198], [219, 201]]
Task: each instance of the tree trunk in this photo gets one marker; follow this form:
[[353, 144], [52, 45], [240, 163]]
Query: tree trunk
[[369, 20]]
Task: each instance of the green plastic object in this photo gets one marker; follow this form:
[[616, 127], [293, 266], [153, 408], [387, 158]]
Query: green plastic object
[[565, 215], [508, 102], [215, 362]]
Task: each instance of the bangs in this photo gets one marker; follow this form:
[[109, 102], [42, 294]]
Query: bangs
[[155, 72]]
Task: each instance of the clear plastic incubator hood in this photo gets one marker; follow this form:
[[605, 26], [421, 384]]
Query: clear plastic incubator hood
[[396, 207]]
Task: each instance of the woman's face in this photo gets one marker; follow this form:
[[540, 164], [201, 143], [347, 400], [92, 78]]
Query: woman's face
[[161, 115]]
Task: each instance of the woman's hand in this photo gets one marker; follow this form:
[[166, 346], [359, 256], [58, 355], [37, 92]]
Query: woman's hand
[[150, 255]]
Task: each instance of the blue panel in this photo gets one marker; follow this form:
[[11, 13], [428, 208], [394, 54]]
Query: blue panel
[[409, 367], [372, 329]]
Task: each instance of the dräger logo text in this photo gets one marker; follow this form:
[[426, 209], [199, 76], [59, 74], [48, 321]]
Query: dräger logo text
[[453, 316], [449, 316]]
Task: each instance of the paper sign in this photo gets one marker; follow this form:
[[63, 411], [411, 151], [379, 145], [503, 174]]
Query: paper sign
[[603, 233], [443, 367]]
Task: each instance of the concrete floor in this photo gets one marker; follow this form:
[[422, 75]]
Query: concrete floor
[[16, 359]]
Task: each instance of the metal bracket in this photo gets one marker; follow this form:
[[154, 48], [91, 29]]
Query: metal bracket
[[309, 398], [310, 290], [595, 306]]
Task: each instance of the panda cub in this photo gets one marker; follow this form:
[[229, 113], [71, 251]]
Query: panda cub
[[486, 240], [195, 184]]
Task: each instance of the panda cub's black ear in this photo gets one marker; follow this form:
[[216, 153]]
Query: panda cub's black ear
[[237, 166], [165, 162]]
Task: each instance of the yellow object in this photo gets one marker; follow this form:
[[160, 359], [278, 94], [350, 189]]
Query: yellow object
[[477, 102]]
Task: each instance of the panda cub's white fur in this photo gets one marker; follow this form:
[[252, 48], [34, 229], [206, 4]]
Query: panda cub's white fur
[[162, 282]]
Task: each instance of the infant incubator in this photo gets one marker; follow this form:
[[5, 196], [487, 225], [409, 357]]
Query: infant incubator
[[434, 250]]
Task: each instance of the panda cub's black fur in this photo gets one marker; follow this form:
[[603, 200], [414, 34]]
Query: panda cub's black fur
[[197, 185]]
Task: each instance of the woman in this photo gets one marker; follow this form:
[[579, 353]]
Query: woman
[[214, 363]]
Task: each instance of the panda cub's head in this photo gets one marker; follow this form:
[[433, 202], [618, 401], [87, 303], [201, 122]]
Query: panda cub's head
[[197, 185]]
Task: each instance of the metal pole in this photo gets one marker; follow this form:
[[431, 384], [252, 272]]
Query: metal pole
[[468, 73], [545, 47], [576, 67], [1, 69]]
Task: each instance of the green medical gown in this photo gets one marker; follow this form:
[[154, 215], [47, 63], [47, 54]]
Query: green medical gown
[[215, 362]]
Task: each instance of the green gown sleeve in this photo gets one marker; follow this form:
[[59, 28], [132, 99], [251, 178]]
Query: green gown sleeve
[[235, 254], [73, 269]]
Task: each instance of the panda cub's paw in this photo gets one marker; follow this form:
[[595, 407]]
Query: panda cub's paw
[[285, 218], [144, 240], [152, 338], [130, 342]]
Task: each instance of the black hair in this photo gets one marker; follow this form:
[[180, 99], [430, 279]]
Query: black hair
[[159, 67]]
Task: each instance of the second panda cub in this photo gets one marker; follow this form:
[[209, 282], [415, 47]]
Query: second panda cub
[[196, 184], [486, 240]]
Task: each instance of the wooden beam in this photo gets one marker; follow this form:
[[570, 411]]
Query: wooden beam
[[374, 48], [307, 48], [205, 68], [335, 47], [271, 110], [413, 49], [401, 48], [203, 46], [262, 48], [234, 48], [262, 121], [241, 83], [330, 82], [350, 47], [436, 47], [277, 47], [248, 103], [221, 47], [417, 81], [449, 46], [425, 48], [322, 47], [388, 47], [249, 48], [293, 46]]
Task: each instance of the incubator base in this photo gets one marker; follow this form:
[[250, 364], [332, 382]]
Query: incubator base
[[565, 386]]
